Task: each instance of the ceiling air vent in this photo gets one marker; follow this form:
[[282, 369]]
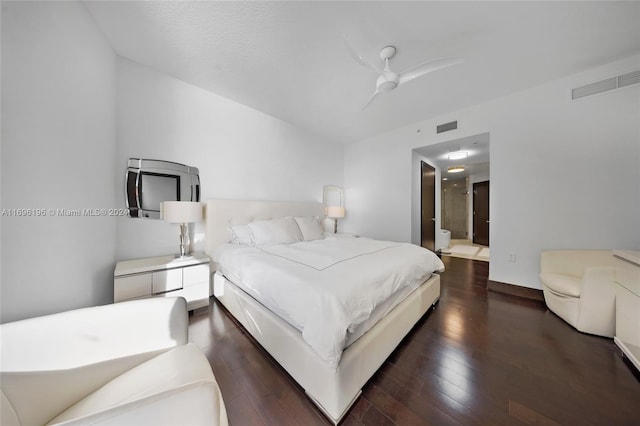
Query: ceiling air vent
[[452, 125], [606, 85]]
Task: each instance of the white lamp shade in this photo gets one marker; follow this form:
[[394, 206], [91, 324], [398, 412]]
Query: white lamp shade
[[335, 211], [181, 211]]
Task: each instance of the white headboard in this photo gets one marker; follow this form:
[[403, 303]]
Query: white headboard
[[219, 214]]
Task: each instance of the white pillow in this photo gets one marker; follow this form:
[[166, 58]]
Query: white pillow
[[240, 234], [311, 228], [275, 231]]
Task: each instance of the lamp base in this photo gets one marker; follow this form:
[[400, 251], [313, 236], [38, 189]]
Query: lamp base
[[184, 242], [335, 226], [183, 256]]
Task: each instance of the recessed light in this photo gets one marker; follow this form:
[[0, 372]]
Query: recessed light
[[456, 169], [458, 155]]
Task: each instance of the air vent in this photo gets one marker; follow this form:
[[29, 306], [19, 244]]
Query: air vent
[[606, 85], [593, 88], [629, 79], [447, 126]]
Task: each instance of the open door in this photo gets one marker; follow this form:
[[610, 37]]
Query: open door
[[481, 213], [428, 206]]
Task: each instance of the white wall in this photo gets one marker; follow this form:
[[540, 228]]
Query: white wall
[[73, 113], [241, 152], [58, 151], [563, 173]]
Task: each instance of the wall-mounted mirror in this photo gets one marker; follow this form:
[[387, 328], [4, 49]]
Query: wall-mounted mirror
[[333, 195], [150, 182]]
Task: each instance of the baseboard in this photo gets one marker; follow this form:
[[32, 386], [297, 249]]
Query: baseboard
[[515, 290]]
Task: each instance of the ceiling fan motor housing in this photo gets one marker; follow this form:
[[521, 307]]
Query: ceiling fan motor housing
[[387, 83]]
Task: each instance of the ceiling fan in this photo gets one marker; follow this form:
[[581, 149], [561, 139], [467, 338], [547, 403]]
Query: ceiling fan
[[388, 79]]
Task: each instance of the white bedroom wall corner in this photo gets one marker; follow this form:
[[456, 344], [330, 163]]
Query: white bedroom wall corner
[[58, 143], [379, 181], [240, 152]]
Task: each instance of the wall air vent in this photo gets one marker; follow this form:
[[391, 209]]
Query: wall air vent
[[452, 125], [606, 85], [629, 79], [593, 88]]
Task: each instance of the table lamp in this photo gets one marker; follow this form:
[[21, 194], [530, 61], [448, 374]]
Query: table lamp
[[335, 212], [182, 213]]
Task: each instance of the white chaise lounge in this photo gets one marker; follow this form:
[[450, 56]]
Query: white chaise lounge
[[126, 363], [578, 286]]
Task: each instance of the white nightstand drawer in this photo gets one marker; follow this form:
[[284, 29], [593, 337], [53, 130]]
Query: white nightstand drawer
[[167, 280], [195, 275], [131, 287]]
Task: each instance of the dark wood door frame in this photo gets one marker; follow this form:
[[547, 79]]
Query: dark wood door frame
[[427, 206]]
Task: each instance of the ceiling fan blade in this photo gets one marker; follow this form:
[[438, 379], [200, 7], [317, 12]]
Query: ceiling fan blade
[[427, 67], [360, 59], [371, 99]]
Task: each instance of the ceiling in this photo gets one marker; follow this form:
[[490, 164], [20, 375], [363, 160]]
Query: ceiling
[[288, 59]]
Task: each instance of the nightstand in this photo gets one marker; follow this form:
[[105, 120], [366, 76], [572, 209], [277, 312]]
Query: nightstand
[[164, 276]]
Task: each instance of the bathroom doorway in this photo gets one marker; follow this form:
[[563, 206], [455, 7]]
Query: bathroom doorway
[[459, 163], [454, 207]]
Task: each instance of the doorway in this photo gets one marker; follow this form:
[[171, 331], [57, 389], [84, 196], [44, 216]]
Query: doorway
[[481, 213], [460, 161], [428, 207], [454, 209]]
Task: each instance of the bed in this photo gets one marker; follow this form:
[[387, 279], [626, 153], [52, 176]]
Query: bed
[[331, 363]]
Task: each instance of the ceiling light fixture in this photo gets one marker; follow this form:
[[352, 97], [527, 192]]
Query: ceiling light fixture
[[458, 155], [456, 169]]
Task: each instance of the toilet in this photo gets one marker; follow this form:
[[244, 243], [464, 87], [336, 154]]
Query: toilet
[[443, 239]]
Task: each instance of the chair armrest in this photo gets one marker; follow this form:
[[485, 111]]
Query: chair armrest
[[597, 301], [92, 335], [50, 362], [174, 388], [573, 262], [193, 404], [598, 283]]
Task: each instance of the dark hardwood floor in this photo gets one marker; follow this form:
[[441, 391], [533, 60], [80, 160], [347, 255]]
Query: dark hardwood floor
[[479, 358]]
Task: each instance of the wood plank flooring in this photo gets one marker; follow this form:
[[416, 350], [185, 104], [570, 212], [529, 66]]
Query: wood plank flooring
[[479, 358]]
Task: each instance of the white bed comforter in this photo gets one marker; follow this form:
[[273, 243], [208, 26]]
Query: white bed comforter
[[326, 287]]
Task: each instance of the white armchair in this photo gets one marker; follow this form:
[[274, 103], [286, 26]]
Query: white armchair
[[578, 286], [126, 363]]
